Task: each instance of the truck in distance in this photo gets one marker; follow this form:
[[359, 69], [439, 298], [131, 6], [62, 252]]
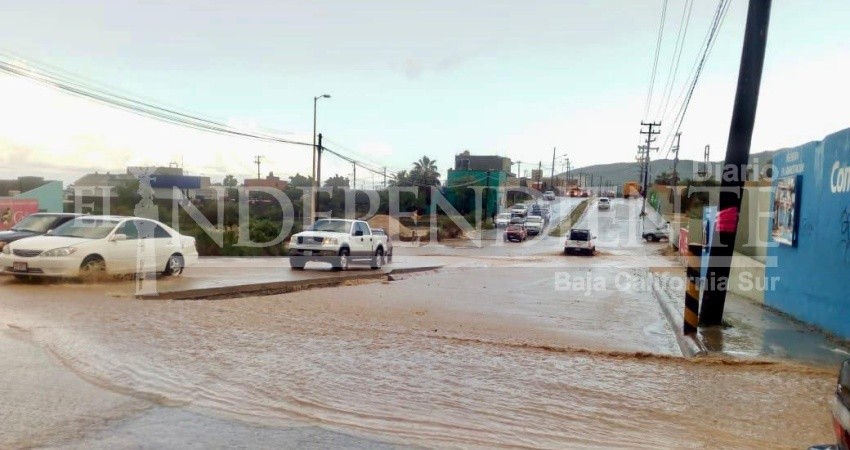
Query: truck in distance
[[339, 242]]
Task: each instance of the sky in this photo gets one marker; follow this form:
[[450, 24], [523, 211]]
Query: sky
[[432, 78]]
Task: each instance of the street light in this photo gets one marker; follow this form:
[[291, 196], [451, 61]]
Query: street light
[[317, 156]]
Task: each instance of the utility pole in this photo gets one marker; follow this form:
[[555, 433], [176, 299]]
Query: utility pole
[[676, 161], [552, 177], [487, 198], [385, 177], [539, 173], [651, 131], [737, 158], [319, 162], [257, 162], [354, 174]]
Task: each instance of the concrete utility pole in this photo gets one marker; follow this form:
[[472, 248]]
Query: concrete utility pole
[[676, 160], [319, 149], [651, 131], [257, 162], [737, 158], [354, 174], [316, 160], [552, 177], [385, 177], [539, 172]]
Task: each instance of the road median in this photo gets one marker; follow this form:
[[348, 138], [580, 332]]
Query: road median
[[280, 287]]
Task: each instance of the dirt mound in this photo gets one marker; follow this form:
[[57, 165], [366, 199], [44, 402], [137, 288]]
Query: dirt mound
[[391, 225]]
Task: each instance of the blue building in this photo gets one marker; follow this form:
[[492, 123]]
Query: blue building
[[809, 253]]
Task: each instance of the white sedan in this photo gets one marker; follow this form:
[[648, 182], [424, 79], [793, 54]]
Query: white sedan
[[94, 245]]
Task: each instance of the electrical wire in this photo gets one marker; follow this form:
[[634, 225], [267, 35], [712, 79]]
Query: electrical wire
[[672, 72], [720, 14], [655, 62]]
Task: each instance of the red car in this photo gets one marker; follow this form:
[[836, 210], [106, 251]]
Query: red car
[[840, 412], [516, 233]]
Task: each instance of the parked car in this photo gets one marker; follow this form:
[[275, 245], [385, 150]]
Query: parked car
[[840, 412], [93, 245], [382, 232], [516, 233], [534, 224], [34, 225], [656, 234], [339, 242], [604, 203], [549, 195], [503, 220], [519, 210], [580, 241]]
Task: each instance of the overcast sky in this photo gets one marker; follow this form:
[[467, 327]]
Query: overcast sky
[[407, 79]]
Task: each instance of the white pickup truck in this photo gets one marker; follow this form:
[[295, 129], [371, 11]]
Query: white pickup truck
[[338, 242]]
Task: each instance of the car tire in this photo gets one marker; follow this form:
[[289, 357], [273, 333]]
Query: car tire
[[343, 259], [297, 263], [93, 268], [650, 237], [175, 266], [377, 259]]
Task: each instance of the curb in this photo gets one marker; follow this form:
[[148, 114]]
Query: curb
[[277, 287], [689, 344]]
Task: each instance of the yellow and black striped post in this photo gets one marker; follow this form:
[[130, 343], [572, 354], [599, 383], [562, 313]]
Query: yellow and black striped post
[[692, 290]]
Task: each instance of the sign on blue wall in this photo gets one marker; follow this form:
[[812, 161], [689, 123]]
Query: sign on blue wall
[[810, 230]]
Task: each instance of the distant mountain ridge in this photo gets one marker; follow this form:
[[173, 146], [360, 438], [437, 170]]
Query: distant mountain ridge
[[619, 173]]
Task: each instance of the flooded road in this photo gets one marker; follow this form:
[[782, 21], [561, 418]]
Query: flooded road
[[487, 354]]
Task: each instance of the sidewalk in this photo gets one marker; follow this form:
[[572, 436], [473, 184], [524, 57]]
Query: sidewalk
[[752, 331]]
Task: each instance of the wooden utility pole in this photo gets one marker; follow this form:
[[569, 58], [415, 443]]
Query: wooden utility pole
[[650, 132], [737, 159]]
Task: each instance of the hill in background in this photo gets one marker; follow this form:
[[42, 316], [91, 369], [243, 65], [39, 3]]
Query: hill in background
[[618, 173]]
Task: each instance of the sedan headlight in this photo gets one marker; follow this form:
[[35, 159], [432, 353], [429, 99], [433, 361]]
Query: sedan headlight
[[6, 249], [64, 251]]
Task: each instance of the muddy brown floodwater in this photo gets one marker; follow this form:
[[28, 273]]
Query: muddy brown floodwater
[[357, 360]]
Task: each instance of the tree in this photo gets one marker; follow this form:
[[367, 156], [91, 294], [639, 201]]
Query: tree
[[425, 172], [664, 178], [337, 181], [401, 178], [300, 181], [230, 181]]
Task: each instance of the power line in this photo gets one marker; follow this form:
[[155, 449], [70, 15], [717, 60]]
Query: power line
[[136, 106], [684, 22], [655, 62], [720, 14]]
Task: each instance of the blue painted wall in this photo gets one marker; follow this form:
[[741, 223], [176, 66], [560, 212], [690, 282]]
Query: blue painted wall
[[49, 196], [813, 278]]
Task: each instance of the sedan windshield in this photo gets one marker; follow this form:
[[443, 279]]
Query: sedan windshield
[[89, 228], [35, 224], [334, 226]]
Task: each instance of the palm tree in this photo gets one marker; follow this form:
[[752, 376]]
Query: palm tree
[[425, 172], [401, 178]]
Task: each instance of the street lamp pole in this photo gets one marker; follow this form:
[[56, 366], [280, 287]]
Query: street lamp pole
[[316, 161]]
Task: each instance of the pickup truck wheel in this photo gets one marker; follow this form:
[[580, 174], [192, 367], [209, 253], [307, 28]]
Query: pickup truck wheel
[[378, 259], [343, 260], [296, 263], [650, 237]]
